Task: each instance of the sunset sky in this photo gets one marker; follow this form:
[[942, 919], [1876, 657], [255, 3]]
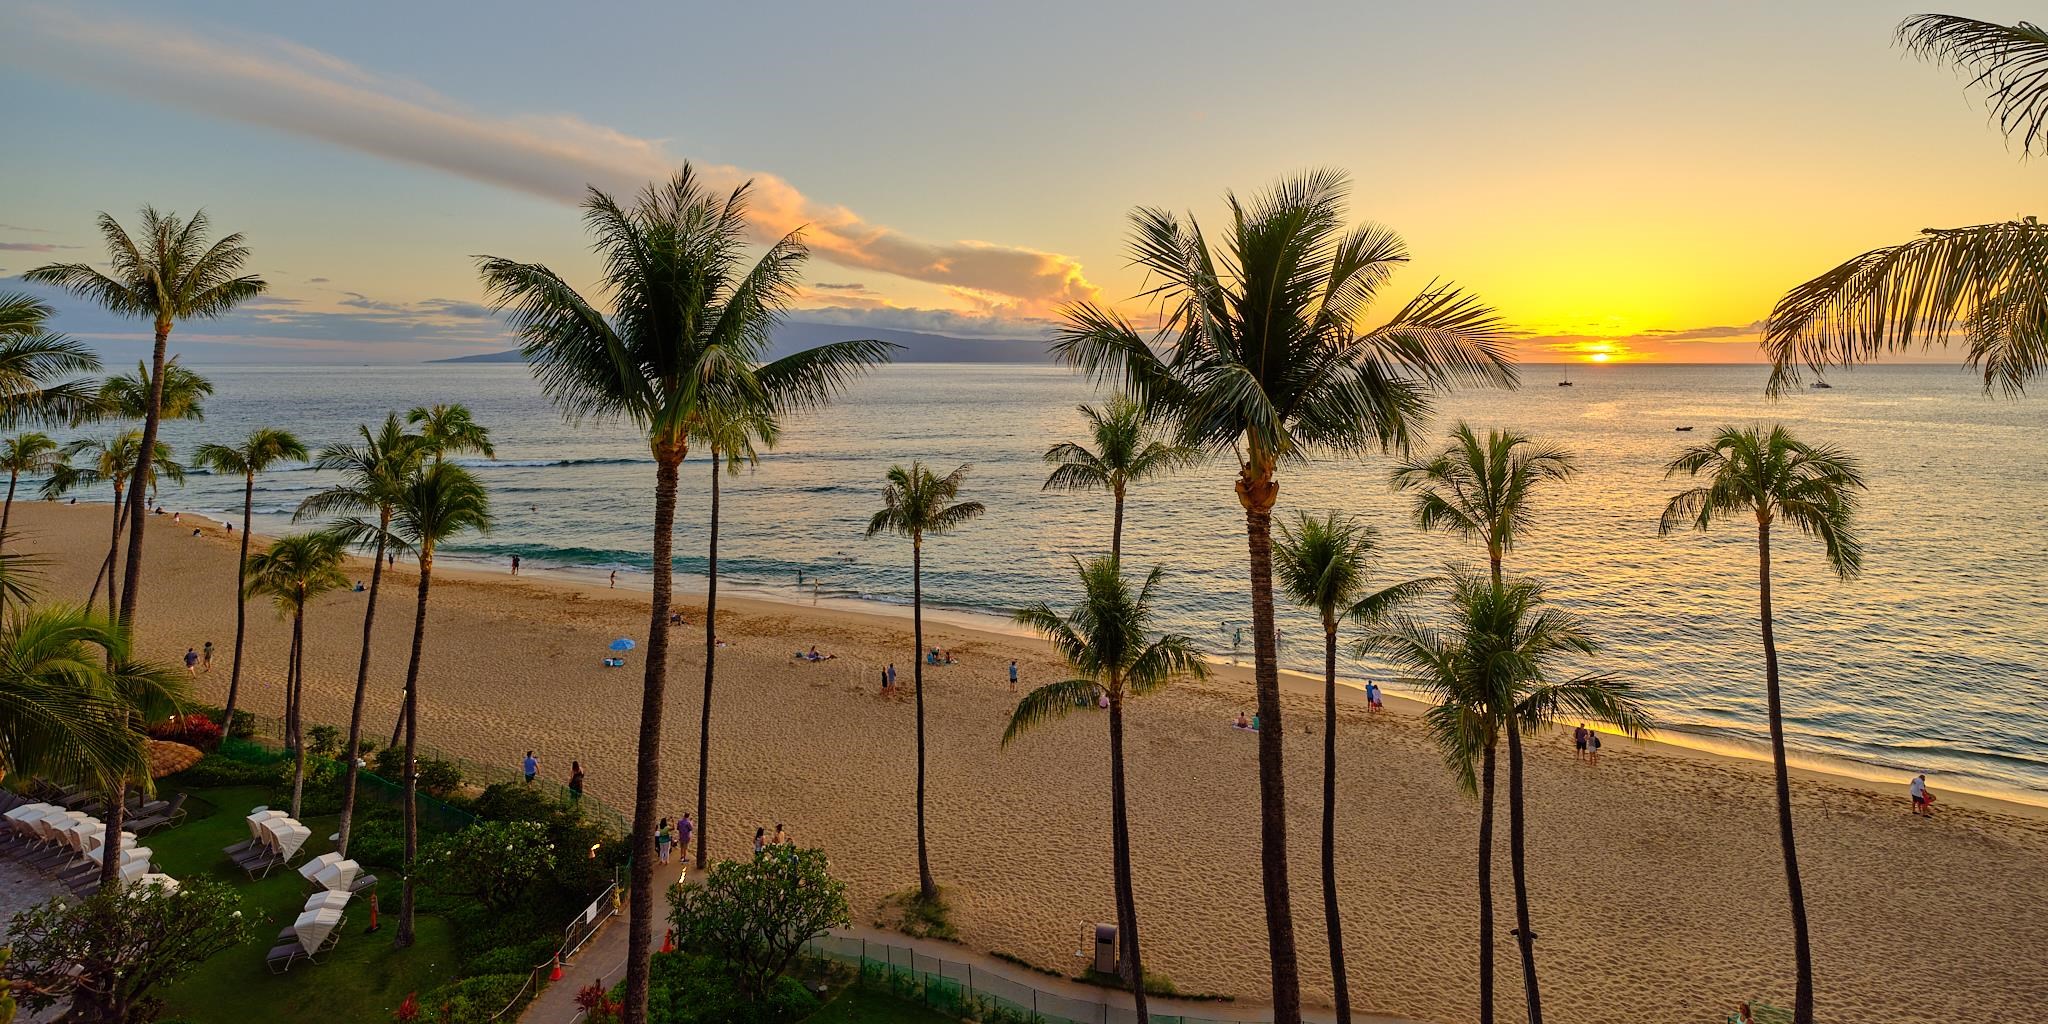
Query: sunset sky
[[1647, 177]]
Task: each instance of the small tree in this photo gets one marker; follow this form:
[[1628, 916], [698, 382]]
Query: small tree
[[492, 862], [754, 916], [108, 952]]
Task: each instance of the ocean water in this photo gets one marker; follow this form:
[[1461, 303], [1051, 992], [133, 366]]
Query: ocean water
[[1934, 659]]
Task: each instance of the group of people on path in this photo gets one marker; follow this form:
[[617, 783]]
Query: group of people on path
[[674, 838]]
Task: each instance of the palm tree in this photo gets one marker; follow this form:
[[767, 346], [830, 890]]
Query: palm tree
[[172, 274], [436, 503], [1325, 565], [1127, 451], [265, 447], [1107, 643], [127, 395], [450, 429], [60, 715], [1979, 283], [689, 322], [1772, 475], [916, 504], [291, 572], [1260, 352], [34, 453], [31, 360], [1492, 671], [373, 472], [111, 461], [1484, 490]]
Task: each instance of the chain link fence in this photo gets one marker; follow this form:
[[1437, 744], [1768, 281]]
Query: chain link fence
[[961, 989]]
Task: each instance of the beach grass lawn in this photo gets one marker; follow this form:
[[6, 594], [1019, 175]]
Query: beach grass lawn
[[861, 1005], [363, 979]]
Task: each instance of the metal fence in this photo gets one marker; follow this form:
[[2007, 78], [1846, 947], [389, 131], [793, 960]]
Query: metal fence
[[960, 989]]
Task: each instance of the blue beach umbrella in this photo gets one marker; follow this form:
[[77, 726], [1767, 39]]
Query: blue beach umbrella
[[623, 644]]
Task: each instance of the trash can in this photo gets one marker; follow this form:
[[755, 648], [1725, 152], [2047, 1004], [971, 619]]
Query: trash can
[[1105, 948]]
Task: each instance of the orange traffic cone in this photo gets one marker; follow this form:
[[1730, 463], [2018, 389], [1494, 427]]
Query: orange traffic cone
[[668, 941], [556, 974]]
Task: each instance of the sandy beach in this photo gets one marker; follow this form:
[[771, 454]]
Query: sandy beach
[[1655, 876]]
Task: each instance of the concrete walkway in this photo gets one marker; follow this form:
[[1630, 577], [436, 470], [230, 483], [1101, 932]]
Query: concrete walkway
[[603, 960]]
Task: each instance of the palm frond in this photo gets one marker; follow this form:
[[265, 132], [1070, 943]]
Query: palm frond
[[2008, 62]]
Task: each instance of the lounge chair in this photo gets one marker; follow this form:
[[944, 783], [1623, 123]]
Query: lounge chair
[[169, 815], [314, 933]]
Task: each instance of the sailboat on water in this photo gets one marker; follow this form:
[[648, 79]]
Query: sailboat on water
[[1567, 381]]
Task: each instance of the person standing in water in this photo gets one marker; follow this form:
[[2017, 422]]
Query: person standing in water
[[615, 579], [515, 565]]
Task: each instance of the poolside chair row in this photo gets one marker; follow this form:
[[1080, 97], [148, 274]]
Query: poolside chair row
[[331, 872], [317, 930], [142, 818], [69, 846], [275, 839]]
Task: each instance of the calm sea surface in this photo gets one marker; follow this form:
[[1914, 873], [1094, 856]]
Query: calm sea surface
[[1935, 659]]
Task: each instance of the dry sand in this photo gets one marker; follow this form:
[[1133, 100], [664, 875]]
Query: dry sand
[[1655, 877]]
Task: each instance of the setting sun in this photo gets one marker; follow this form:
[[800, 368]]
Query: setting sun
[[1601, 357]]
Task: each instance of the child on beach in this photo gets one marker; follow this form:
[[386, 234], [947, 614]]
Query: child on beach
[[1923, 801], [663, 839]]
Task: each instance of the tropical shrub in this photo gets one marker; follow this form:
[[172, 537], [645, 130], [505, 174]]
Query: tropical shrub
[[109, 952], [323, 741], [687, 989], [476, 1000], [491, 862], [439, 777], [194, 730], [215, 770], [754, 916]]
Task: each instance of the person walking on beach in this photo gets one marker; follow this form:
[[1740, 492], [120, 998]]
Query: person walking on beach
[[576, 781], [206, 657], [891, 684], [615, 579], [1579, 742], [191, 661], [1923, 801], [515, 565], [1013, 675], [663, 839], [1593, 746], [684, 829], [531, 766], [760, 842], [1372, 695]]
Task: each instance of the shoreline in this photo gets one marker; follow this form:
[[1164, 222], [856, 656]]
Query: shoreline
[[1637, 864]]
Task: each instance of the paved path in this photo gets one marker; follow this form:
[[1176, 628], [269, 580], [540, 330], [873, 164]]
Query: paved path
[[603, 960]]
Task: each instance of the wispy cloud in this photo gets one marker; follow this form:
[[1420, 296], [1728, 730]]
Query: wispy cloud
[[297, 90], [32, 247]]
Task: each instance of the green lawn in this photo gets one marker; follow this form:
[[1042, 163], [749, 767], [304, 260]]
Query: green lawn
[[364, 979], [874, 1006]]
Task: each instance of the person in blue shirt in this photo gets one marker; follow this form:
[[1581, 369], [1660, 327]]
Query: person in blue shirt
[[531, 766]]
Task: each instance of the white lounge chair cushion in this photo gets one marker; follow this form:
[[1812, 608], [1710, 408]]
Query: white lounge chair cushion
[[167, 883], [326, 899], [339, 875], [290, 837], [312, 868], [314, 926]]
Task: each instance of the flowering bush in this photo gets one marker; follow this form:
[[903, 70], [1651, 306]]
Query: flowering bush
[[192, 730]]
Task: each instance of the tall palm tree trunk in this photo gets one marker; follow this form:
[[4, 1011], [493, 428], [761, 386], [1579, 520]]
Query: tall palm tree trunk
[[227, 713], [1120, 846], [1116, 529], [296, 686], [107, 568], [647, 783], [7, 510], [1486, 769], [1802, 952], [1525, 936], [927, 889], [132, 577], [710, 659], [355, 715], [1333, 922], [1257, 493], [404, 937]]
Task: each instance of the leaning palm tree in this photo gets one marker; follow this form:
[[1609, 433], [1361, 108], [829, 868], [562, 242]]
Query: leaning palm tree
[[38, 370], [1325, 565], [59, 713], [437, 503], [1493, 670], [1772, 475], [1981, 284], [1484, 490], [1127, 451], [1261, 353], [33, 453], [450, 429], [374, 471], [690, 320], [917, 504], [1108, 645], [264, 448], [291, 572], [170, 274], [111, 461]]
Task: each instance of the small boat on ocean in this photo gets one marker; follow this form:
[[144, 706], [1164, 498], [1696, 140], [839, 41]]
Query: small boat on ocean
[[1681, 429], [1820, 385], [1567, 381]]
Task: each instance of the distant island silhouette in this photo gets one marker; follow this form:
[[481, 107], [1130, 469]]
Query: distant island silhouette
[[918, 347]]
